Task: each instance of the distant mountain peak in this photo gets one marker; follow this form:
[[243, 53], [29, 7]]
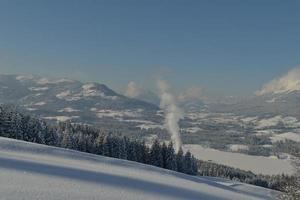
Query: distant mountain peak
[[60, 98]]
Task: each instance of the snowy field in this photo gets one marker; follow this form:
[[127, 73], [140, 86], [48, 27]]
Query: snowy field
[[30, 171], [256, 164]]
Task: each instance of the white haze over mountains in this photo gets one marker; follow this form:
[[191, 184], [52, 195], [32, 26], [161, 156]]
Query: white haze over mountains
[[172, 113], [287, 83], [133, 90], [191, 94]]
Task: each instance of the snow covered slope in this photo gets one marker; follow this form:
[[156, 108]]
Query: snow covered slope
[[31, 171]]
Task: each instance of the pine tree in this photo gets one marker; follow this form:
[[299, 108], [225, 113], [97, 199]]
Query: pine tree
[[123, 149], [180, 161], [188, 163], [107, 146], [170, 157], [156, 155], [194, 166], [99, 144], [67, 140], [164, 150], [131, 151], [145, 153]]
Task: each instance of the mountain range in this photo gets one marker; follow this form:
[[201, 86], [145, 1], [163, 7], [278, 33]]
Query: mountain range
[[65, 99]]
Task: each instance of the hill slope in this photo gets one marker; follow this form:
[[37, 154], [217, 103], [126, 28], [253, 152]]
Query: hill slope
[[64, 99], [31, 171]]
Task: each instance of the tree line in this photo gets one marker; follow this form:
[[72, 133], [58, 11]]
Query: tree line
[[279, 182], [88, 139]]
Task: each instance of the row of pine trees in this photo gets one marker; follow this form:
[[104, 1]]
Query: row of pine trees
[[91, 140]]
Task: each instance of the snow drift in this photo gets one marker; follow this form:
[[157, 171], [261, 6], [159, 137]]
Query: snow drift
[[30, 171]]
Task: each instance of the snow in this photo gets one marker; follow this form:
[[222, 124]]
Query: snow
[[115, 113], [30, 171], [265, 132], [90, 90], [67, 95], [46, 81], [68, 109], [267, 146], [193, 129], [220, 118], [38, 88], [248, 119], [24, 78], [237, 147], [256, 164], [136, 121], [31, 109], [143, 124], [263, 123], [38, 94], [94, 109], [160, 113], [40, 103], [286, 136], [88, 86], [61, 118], [197, 115], [150, 126], [290, 122], [63, 94], [273, 100]]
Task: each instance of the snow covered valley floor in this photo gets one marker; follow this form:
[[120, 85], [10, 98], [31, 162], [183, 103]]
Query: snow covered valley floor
[[256, 164], [30, 171]]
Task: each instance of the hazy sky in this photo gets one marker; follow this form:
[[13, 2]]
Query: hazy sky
[[226, 46]]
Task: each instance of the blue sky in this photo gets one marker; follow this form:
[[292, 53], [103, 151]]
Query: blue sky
[[227, 47]]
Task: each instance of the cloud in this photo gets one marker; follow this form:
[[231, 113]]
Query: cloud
[[287, 83], [191, 94], [133, 90]]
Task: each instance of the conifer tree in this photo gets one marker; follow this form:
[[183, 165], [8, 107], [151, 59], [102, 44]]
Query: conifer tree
[[156, 155], [170, 157], [188, 163], [180, 161]]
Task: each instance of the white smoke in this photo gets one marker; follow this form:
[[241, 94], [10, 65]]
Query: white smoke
[[172, 113], [133, 90], [286, 83]]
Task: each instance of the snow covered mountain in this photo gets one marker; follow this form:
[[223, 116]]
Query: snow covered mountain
[[31, 171], [280, 96], [64, 99], [266, 105]]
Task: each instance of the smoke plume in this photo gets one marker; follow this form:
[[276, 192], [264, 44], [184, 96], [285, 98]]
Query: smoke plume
[[172, 113]]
